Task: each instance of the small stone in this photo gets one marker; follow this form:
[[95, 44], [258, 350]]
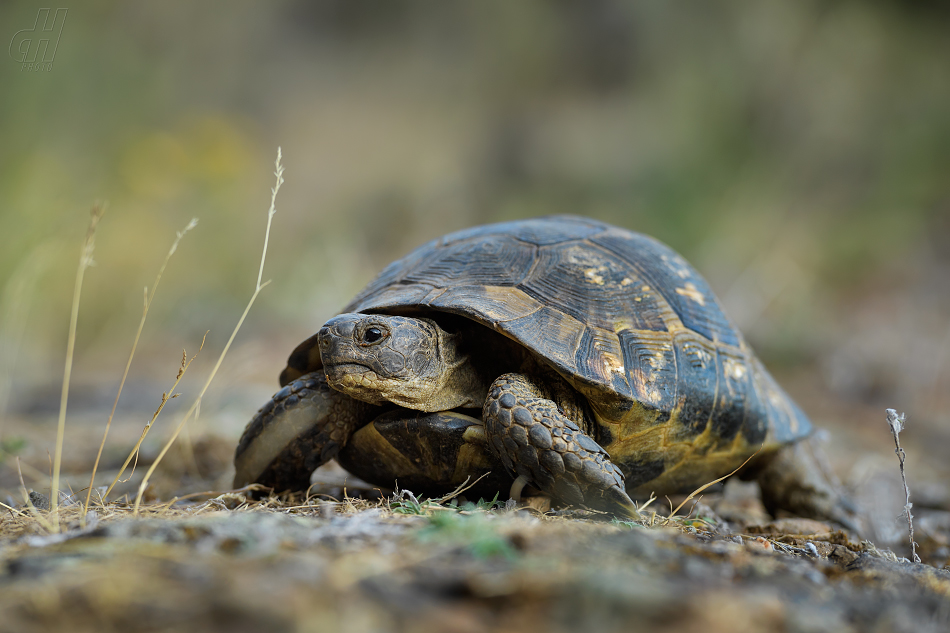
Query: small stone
[[39, 501], [760, 543]]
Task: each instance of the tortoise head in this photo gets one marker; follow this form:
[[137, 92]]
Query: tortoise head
[[379, 358]]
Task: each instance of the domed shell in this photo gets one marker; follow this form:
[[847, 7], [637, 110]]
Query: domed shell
[[621, 316]]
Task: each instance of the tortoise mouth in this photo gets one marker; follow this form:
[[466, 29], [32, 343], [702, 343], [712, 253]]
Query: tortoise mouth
[[338, 370]]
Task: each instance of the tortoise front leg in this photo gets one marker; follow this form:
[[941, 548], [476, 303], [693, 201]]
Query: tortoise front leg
[[536, 441], [303, 426]]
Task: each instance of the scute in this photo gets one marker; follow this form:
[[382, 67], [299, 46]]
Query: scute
[[676, 280], [600, 357], [650, 362], [496, 303], [595, 287], [561, 335], [499, 261]]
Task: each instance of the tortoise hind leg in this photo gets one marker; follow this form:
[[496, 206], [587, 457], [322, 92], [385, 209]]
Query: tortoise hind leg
[[793, 480], [536, 441], [303, 426]]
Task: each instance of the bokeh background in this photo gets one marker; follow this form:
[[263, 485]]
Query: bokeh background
[[797, 153]]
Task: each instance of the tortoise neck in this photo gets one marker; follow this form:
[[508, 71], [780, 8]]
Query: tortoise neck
[[460, 384]]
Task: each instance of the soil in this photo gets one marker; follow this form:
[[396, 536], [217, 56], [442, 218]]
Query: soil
[[229, 562]]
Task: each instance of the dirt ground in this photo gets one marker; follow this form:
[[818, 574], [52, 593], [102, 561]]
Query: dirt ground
[[351, 560]]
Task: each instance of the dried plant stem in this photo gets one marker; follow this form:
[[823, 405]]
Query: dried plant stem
[[896, 424], [166, 396], [128, 364], [279, 173], [85, 260], [711, 483]]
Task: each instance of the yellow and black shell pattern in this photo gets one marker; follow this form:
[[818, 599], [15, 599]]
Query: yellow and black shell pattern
[[679, 397]]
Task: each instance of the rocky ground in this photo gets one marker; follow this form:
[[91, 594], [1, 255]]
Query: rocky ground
[[230, 562]]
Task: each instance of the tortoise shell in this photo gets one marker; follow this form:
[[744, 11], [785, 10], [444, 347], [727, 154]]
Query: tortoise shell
[[678, 395]]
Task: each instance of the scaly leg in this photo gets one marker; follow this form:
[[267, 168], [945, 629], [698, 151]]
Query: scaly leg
[[536, 441], [792, 480]]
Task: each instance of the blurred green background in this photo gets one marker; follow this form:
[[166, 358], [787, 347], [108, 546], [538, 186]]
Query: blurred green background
[[797, 153]]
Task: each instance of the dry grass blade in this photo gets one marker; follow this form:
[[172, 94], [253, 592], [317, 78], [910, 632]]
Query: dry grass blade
[[11, 509], [462, 487], [279, 173], [711, 483], [85, 261], [896, 424], [185, 362], [135, 342]]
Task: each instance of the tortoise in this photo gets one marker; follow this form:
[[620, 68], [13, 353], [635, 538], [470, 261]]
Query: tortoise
[[588, 361]]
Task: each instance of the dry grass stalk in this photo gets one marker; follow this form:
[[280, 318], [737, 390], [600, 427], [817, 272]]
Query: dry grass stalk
[[135, 342], [279, 173], [85, 260], [134, 453], [711, 483], [896, 424]]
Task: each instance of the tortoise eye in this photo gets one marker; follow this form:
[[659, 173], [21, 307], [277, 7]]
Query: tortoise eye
[[373, 335]]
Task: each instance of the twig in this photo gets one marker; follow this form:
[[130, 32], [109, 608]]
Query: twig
[[279, 173], [85, 261], [896, 423], [128, 364]]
